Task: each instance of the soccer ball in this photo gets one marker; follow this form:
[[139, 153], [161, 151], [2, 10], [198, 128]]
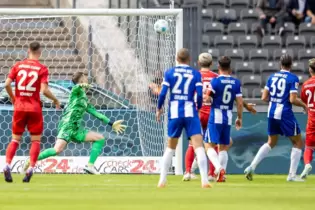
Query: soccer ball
[[161, 26]]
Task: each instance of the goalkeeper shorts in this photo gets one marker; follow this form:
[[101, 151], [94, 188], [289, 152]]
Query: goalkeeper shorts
[[76, 135]]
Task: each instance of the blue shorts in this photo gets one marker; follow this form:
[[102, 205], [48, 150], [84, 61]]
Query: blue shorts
[[191, 124], [287, 127], [217, 134]]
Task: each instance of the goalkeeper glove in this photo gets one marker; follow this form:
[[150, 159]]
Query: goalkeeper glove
[[85, 85], [118, 127]]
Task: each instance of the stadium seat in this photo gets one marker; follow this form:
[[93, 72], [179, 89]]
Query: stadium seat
[[289, 29], [250, 82], [239, 5], [299, 68], [214, 67], [277, 53], [187, 2], [257, 92], [216, 4], [258, 56], [295, 43], [215, 54], [207, 15], [247, 43], [223, 43], [245, 93], [244, 68], [312, 42], [307, 30], [205, 41], [305, 55], [237, 30], [271, 43], [226, 16], [236, 55], [268, 68], [253, 3], [302, 78], [213, 29], [167, 2], [249, 16]]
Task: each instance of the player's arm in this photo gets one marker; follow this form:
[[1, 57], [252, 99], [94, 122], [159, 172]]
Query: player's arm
[[199, 91], [8, 81], [117, 125], [249, 107], [44, 88], [239, 107], [162, 96], [265, 95], [294, 95]]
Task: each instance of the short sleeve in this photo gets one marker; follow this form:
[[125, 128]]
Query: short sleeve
[[268, 84], [198, 79], [238, 91], [44, 75], [166, 79], [13, 73], [294, 85], [213, 85]]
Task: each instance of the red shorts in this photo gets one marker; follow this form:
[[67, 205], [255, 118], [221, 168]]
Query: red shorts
[[32, 120], [204, 117], [310, 140]]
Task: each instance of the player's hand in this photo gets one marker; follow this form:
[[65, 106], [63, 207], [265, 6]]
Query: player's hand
[[86, 85], [118, 127], [238, 123], [158, 115], [251, 108], [57, 104]]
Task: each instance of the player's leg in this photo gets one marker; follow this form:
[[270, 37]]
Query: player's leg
[[189, 159], [224, 146], [296, 154], [194, 167], [308, 154]]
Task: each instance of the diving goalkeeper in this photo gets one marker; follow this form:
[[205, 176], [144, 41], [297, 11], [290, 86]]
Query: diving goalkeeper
[[69, 127]]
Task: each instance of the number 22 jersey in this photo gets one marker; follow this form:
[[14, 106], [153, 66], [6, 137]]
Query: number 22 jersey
[[28, 76]]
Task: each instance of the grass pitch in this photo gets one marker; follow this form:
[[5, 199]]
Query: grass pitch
[[139, 192]]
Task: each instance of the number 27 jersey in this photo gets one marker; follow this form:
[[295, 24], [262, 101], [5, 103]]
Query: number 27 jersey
[[28, 76], [280, 85]]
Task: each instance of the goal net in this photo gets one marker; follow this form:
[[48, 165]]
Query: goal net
[[125, 60]]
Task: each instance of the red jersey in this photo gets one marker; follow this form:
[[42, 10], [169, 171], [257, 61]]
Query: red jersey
[[308, 97], [28, 76], [206, 77]]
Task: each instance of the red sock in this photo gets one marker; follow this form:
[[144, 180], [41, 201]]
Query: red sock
[[34, 152], [189, 158], [211, 166], [308, 155], [11, 150]]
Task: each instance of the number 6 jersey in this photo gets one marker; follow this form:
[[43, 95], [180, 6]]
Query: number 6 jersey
[[28, 76]]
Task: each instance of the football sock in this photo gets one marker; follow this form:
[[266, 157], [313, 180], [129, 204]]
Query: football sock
[[202, 163], [295, 159], [194, 165], [211, 166], [308, 155], [96, 150], [214, 158], [223, 158], [189, 158], [261, 154], [47, 153], [166, 163], [34, 152], [11, 150]]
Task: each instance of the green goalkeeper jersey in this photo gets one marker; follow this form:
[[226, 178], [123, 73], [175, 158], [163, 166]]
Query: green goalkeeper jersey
[[77, 106]]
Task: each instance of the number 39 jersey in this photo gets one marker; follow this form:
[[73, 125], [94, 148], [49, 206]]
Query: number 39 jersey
[[182, 81], [225, 89], [280, 85], [28, 76]]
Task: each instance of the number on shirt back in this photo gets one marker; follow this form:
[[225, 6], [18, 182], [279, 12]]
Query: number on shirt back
[[277, 84], [310, 95], [226, 98], [24, 75], [179, 80]]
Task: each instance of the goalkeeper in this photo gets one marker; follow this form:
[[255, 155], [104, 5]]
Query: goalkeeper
[[69, 128]]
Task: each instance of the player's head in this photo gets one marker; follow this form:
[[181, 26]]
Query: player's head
[[311, 65], [224, 65], [183, 56], [286, 62], [34, 50], [205, 60], [79, 78]]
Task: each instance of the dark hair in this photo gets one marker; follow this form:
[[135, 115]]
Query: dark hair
[[76, 77], [225, 63], [34, 46], [183, 55], [286, 61]]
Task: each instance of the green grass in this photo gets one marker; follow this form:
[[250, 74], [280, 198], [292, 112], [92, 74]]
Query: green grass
[[139, 192]]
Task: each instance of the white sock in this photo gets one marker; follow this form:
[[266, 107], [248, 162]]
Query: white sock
[[166, 163], [214, 158], [202, 163], [194, 166], [295, 159], [223, 158], [261, 154]]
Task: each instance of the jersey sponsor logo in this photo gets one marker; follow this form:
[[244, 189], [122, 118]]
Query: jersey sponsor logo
[[296, 85]]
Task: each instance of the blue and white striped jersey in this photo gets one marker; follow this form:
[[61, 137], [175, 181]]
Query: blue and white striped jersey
[[280, 85], [183, 82], [224, 89]]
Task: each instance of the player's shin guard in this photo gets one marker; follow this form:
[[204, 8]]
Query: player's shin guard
[[47, 153], [308, 155], [202, 162], [166, 163], [11, 150], [189, 158], [34, 152], [96, 150], [295, 159]]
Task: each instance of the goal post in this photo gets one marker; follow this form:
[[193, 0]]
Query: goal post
[[123, 56]]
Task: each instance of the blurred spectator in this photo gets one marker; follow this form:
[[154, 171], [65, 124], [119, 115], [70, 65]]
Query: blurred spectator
[[272, 12], [310, 12], [297, 11]]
